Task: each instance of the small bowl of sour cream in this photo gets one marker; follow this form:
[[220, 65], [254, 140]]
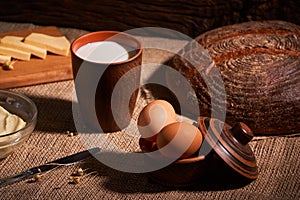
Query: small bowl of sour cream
[[18, 116]]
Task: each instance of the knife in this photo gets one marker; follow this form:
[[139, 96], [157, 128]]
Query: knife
[[62, 162]]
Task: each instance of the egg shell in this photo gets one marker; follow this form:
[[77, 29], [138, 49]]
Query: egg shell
[[154, 117], [179, 140]]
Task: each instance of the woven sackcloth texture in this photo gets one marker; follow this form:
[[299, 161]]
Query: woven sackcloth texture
[[277, 156]]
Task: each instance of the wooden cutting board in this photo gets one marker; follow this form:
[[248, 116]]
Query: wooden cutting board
[[37, 70]]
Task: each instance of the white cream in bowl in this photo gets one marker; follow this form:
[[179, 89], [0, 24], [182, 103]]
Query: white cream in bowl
[[9, 122]]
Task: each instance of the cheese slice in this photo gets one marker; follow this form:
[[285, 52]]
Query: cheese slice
[[15, 42], [13, 38], [4, 59], [55, 44], [15, 53]]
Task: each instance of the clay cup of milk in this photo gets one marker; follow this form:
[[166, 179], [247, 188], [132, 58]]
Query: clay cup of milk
[[106, 68]]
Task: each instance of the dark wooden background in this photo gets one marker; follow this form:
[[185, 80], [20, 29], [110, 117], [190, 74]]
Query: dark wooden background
[[189, 17]]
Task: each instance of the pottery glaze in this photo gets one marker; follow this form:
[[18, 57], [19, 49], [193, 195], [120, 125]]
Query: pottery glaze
[[104, 77], [224, 156]]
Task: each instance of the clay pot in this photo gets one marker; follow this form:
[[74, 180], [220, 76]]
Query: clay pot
[[224, 156], [95, 83]]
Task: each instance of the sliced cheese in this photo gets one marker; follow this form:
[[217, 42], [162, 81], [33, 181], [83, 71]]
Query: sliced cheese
[[15, 53], [15, 42], [58, 45], [13, 38], [4, 59]]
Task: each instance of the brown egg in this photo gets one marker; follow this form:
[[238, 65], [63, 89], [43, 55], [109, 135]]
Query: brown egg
[[154, 117], [179, 140]]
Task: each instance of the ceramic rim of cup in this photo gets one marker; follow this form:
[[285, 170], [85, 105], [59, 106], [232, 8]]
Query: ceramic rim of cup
[[84, 39]]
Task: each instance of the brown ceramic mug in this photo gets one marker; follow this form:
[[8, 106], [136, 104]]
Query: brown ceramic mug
[[102, 106]]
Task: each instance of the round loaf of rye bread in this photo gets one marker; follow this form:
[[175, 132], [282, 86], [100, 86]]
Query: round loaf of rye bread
[[259, 65]]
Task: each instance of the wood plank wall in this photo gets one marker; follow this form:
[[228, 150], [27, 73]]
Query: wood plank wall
[[189, 17]]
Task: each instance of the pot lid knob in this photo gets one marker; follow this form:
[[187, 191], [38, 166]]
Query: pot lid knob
[[242, 133]]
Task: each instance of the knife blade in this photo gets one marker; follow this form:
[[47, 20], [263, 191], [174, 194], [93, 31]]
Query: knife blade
[[62, 162]]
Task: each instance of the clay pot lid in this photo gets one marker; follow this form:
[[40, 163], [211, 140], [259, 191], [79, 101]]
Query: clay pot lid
[[231, 144]]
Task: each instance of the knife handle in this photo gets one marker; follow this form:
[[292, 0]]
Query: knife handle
[[12, 179]]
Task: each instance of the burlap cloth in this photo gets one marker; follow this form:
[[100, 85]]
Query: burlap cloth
[[277, 157]]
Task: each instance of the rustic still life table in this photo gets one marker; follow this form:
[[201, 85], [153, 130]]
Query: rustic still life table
[[277, 156]]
